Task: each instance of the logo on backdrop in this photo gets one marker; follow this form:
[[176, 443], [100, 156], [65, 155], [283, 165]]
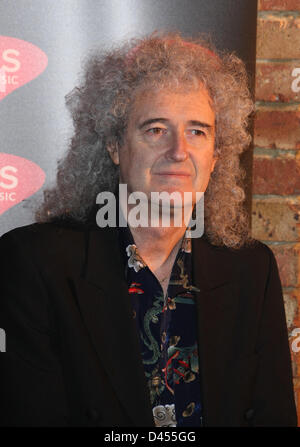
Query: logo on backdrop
[[20, 62], [19, 179]]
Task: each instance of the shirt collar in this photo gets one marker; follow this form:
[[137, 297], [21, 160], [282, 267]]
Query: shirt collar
[[129, 250]]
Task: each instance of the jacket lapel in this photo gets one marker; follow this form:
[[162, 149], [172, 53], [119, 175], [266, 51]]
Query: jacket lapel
[[106, 308], [214, 273]]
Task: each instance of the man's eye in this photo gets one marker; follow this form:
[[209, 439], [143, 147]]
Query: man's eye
[[156, 131], [197, 132]]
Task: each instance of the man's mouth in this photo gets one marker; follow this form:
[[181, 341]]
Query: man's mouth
[[174, 173]]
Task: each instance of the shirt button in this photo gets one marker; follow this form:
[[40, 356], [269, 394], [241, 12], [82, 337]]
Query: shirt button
[[92, 414], [248, 415]]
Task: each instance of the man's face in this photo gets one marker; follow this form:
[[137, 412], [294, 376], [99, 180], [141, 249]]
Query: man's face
[[169, 142]]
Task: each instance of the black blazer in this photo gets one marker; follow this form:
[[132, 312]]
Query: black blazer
[[72, 350]]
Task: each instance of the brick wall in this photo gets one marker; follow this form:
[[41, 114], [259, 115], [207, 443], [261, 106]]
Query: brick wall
[[276, 168]]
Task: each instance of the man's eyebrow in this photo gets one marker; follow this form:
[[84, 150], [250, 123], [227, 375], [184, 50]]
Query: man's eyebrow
[[152, 120], [208, 126], [200, 124]]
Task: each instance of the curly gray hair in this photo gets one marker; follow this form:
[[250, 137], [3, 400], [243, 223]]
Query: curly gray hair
[[100, 107]]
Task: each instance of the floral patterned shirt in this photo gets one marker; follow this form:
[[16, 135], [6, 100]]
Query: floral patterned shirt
[[167, 330]]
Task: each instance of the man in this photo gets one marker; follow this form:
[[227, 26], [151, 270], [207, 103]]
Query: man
[[141, 325]]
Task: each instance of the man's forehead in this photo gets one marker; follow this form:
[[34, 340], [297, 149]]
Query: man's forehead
[[170, 84], [152, 100]]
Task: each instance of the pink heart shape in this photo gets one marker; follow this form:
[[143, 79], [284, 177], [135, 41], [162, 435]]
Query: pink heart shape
[[20, 62], [19, 179]]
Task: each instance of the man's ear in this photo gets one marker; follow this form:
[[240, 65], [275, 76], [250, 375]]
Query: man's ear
[[113, 150], [215, 159]]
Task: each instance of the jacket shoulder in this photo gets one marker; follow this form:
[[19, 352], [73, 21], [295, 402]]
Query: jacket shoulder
[[252, 262], [49, 242], [254, 252], [36, 233]]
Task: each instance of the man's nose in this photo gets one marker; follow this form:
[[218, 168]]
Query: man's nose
[[179, 148]]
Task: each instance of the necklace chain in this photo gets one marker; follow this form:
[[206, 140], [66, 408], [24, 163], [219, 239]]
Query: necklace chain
[[166, 277]]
